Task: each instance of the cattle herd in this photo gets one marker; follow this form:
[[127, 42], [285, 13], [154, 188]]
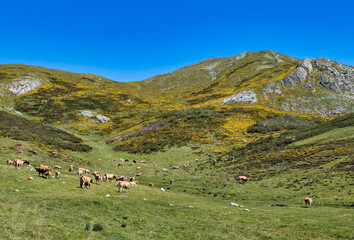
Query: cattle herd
[[85, 181]]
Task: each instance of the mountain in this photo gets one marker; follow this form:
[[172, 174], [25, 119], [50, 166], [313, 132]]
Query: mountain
[[211, 102]]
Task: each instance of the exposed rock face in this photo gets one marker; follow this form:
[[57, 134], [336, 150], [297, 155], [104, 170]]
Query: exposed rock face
[[23, 85], [306, 63], [319, 85], [86, 113], [245, 96], [102, 118]]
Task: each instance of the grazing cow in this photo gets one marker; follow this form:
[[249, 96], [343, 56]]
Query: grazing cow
[[26, 162], [9, 162], [48, 174], [30, 178], [308, 201], [132, 179], [120, 164], [108, 176], [85, 181], [151, 184], [134, 161], [123, 184], [132, 164], [82, 169], [42, 169], [172, 181], [121, 178], [57, 167], [138, 175], [175, 167], [138, 168], [19, 163], [79, 173], [126, 160], [143, 161], [164, 169], [133, 183], [98, 177], [71, 168], [197, 160], [242, 179], [57, 174], [87, 171]]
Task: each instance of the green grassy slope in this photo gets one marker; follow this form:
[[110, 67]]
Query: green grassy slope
[[58, 209]]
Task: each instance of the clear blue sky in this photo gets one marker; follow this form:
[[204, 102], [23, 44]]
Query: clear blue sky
[[136, 39]]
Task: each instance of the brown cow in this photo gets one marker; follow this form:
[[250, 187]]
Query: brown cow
[[242, 179], [308, 201], [42, 169], [151, 184], [143, 161], [85, 181], [57, 174], [19, 163], [132, 179], [79, 173], [108, 176], [98, 176], [57, 167], [121, 178], [123, 184], [138, 175], [120, 164], [9, 162], [48, 174], [133, 183]]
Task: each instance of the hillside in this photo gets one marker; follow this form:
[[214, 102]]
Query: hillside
[[284, 123], [211, 102]]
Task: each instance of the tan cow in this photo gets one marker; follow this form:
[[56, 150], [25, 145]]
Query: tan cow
[[85, 181], [98, 176], [9, 162], [57, 167], [143, 161], [19, 163], [108, 176], [242, 179], [123, 184], [138, 168], [138, 175], [132, 179], [81, 169], [87, 171], [71, 168], [42, 169], [57, 174], [30, 178], [79, 173], [151, 184], [48, 174], [121, 178], [133, 183], [308, 201]]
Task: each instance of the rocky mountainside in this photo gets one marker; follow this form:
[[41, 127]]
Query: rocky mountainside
[[214, 101]]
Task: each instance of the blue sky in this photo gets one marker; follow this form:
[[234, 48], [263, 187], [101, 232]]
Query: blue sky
[[136, 39]]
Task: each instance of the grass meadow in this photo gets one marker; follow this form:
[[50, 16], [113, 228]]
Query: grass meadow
[[194, 207]]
